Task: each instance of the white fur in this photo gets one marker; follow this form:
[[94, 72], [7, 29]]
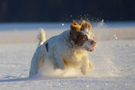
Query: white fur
[[63, 53], [41, 36]]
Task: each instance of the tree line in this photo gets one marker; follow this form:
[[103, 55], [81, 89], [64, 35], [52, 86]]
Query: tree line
[[66, 10]]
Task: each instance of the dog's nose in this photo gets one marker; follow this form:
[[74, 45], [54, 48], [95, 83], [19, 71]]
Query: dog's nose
[[93, 43]]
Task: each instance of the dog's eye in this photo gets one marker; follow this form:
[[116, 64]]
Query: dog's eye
[[85, 37]]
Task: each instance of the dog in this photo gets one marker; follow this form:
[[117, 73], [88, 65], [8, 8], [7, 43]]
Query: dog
[[67, 50]]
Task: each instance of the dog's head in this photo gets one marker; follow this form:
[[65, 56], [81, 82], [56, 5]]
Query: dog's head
[[82, 35]]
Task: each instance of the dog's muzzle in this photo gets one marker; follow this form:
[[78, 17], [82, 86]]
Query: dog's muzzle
[[91, 48]]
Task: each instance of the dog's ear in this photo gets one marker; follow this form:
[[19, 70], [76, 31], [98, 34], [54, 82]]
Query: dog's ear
[[74, 30], [75, 27], [85, 25]]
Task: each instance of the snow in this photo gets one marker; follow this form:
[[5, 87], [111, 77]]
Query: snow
[[114, 62], [114, 69]]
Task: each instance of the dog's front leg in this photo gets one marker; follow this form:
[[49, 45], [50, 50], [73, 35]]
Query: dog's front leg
[[59, 61], [87, 65]]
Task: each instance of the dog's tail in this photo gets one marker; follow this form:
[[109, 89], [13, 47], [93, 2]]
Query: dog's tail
[[41, 36]]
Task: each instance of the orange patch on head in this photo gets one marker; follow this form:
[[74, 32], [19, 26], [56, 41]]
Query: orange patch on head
[[80, 27], [75, 26], [85, 25]]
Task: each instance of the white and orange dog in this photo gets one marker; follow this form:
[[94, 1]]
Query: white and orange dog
[[67, 50]]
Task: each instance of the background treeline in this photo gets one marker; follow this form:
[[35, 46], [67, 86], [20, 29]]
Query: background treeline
[[66, 10]]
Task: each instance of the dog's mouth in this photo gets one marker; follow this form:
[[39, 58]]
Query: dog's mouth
[[90, 49]]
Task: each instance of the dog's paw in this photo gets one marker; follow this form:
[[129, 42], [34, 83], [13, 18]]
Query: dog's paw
[[91, 65], [56, 66], [62, 66], [86, 67], [84, 71]]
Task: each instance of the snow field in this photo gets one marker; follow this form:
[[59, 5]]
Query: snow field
[[114, 59], [114, 69]]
